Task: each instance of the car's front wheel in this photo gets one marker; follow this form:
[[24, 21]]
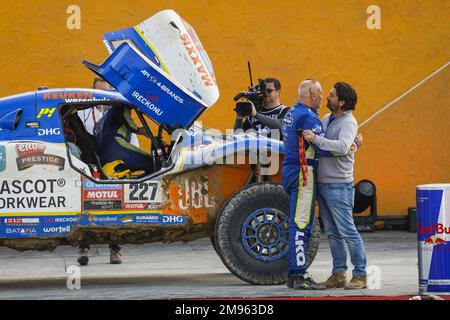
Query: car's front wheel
[[252, 234]]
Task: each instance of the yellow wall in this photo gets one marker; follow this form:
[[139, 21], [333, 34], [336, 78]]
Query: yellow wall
[[288, 39]]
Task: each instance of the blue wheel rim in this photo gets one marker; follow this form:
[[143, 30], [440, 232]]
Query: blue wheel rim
[[265, 234]]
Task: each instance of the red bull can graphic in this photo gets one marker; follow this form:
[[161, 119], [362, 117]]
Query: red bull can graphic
[[433, 235]]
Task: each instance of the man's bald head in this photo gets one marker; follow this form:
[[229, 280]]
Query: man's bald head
[[310, 93]]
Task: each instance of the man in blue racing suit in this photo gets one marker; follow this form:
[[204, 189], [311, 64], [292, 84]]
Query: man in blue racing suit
[[113, 135], [299, 179]]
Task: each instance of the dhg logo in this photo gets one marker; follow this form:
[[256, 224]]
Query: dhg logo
[[49, 132]]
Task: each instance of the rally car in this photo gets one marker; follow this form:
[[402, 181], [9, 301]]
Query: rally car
[[204, 184]]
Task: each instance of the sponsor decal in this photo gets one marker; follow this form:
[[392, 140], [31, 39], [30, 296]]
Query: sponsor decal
[[67, 95], [62, 220], [148, 219], [317, 128], [21, 221], [142, 206], [160, 219], [127, 219], [102, 205], [438, 228], [31, 154], [437, 233], [88, 184], [195, 57], [195, 194], [104, 219], [147, 103], [58, 229], [32, 124], [46, 112], [173, 219], [21, 231], [151, 97], [145, 195], [163, 87], [49, 132], [108, 47], [2, 158], [101, 196], [299, 249], [288, 119], [21, 198]]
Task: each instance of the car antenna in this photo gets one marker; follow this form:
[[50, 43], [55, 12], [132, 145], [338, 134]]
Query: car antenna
[[250, 73]]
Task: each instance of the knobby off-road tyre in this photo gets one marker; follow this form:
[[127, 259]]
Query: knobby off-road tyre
[[252, 234]]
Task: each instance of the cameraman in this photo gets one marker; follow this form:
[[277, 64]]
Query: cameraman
[[270, 115]]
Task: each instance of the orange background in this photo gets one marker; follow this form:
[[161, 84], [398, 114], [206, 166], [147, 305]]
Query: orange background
[[407, 145]]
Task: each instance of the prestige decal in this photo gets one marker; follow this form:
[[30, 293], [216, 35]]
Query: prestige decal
[[193, 54], [23, 188], [30, 154]]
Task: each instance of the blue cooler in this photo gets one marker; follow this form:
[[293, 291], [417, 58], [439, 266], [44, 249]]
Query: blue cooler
[[433, 235], [149, 88]]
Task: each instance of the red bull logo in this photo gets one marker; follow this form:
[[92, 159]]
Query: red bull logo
[[439, 228], [435, 241], [437, 233]]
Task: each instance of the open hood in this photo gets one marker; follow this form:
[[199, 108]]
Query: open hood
[[161, 67]]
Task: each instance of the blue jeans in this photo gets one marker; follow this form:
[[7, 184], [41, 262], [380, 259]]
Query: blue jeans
[[336, 210]]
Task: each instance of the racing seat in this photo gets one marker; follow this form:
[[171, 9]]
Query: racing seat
[[75, 131]]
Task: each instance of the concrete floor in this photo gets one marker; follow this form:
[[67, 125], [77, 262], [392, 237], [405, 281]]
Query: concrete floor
[[193, 270]]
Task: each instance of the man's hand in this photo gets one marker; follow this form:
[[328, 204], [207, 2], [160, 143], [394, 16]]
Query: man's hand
[[253, 110], [359, 139], [309, 136]]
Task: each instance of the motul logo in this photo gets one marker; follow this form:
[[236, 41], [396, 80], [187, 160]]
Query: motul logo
[[102, 194]]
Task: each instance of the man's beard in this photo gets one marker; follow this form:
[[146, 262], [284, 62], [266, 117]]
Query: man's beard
[[331, 107]]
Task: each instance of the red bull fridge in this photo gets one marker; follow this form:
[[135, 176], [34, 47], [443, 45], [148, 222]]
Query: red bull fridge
[[433, 235]]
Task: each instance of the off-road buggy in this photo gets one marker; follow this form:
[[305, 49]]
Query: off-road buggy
[[204, 184]]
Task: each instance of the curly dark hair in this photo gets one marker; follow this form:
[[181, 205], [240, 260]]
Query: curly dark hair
[[346, 93]]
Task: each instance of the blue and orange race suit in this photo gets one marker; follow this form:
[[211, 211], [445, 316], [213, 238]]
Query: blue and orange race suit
[[299, 181], [113, 135]]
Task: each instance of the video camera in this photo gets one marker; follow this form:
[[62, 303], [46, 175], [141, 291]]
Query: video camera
[[255, 94]]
